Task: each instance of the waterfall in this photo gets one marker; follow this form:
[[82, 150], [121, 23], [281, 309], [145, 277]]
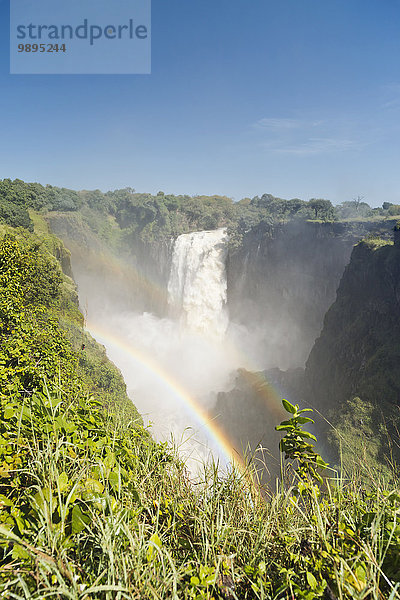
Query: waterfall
[[197, 287]]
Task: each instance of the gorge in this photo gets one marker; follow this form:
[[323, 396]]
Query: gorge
[[198, 309], [213, 316]]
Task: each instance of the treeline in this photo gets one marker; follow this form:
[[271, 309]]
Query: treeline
[[152, 217], [17, 197]]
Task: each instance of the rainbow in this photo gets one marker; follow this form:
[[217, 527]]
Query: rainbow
[[197, 411], [268, 395]]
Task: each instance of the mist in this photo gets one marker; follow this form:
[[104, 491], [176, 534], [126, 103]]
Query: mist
[[180, 320], [173, 363]]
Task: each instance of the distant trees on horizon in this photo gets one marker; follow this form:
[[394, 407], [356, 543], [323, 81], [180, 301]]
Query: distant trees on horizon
[[167, 215]]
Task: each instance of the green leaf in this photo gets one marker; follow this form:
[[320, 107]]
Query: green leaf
[[63, 482], [321, 463], [61, 422], [360, 572], [92, 485], [26, 414], [308, 435], [79, 519], [135, 495], [9, 412], [20, 524], [284, 427], [154, 542], [318, 477], [41, 498], [109, 460], [262, 567], [5, 501], [38, 502], [113, 480], [288, 407], [20, 552], [312, 582], [303, 420]]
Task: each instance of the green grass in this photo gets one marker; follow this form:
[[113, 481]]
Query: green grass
[[101, 511]]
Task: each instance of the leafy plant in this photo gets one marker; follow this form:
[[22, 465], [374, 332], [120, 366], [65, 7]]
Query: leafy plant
[[295, 444]]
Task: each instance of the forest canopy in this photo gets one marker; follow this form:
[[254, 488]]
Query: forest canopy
[[150, 217]]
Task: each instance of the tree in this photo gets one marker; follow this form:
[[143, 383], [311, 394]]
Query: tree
[[323, 209], [15, 215], [357, 201], [295, 205], [353, 209]]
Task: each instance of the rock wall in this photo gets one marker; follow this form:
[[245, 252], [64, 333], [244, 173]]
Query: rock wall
[[283, 279], [358, 351]]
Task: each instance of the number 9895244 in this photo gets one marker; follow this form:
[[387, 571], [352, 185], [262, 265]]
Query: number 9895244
[[41, 48]]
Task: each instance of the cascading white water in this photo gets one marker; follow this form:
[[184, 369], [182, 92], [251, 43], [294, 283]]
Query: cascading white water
[[170, 365], [197, 283]]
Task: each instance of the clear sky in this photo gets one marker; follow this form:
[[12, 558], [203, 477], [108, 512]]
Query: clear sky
[[297, 98]]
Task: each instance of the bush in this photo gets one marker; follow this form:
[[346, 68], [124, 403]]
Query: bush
[[15, 215]]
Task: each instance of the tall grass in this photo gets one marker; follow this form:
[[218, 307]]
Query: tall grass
[[105, 513]]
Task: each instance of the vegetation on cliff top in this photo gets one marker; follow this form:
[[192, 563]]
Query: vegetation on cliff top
[[130, 216]]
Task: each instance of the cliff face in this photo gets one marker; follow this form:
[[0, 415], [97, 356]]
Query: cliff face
[[249, 412], [288, 279], [282, 280], [358, 351]]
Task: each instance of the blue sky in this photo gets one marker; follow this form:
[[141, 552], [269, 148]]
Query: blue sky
[[297, 98]]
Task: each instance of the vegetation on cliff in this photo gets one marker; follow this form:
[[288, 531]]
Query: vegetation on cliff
[[155, 217]]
